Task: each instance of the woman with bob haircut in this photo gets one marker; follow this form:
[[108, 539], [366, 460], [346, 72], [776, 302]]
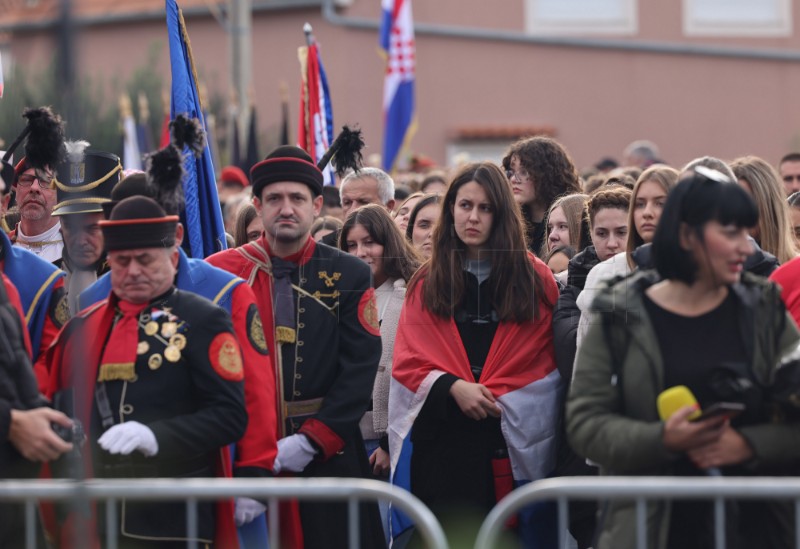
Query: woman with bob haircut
[[474, 352], [540, 170], [703, 323], [774, 230]]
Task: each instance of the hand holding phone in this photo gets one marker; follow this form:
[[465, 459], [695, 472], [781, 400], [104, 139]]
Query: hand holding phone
[[728, 409]]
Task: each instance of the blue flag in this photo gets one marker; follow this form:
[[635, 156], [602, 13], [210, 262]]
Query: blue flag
[[202, 218]]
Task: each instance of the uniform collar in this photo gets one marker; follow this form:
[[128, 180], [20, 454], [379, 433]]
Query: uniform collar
[[300, 257]]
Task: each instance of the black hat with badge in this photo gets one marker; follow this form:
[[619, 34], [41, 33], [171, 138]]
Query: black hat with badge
[[85, 179]]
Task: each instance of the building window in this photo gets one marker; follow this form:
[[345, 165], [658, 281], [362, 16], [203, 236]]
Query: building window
[[737, 17], [581, 16]]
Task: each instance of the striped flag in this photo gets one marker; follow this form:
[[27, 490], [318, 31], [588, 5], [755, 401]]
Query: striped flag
[[131, 155], [315, 128], [202, 218], [397, 41]]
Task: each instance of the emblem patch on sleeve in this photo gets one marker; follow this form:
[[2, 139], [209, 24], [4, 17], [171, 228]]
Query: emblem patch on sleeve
[[59, 308], [255, 330], [368, 313], [225, 357]]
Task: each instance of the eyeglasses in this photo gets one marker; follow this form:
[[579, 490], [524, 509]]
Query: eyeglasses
[[26, 180], [521, 175]]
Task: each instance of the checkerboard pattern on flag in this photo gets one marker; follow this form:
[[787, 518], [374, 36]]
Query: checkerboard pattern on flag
[[397, 40], [315, 128]]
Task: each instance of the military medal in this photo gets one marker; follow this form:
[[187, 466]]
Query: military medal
[[172, 353], [154, 362], [168, 329], [151, 328], [179, 341], [142, 348]]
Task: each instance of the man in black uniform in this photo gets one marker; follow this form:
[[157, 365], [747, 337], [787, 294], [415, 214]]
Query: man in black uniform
[[320, 322], [156, 378], [83, 182]]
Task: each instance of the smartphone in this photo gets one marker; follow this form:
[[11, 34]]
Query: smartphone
[[729, 409]]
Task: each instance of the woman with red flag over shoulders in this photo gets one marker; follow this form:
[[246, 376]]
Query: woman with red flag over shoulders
[[474, 372]]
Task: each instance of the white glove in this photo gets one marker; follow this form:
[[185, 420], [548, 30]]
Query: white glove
[[126, 437], [295, 452], [247, 509]]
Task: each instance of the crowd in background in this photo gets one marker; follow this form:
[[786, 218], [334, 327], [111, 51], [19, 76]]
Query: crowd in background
[[529, 315]]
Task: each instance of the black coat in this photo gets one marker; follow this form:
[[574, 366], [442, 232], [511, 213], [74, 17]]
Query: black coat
[[186, 385]]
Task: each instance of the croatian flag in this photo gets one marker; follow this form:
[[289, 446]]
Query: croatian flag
[[315, 128], [397, 40], [520, 371]]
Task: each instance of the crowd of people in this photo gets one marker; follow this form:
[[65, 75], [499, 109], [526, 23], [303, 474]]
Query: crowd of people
[[459, 334]]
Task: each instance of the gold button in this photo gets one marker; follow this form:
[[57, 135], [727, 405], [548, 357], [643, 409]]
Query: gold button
[[301, 325], [299, 343], [154, 362], [301, 309], [303, 280], [297, 393], [127, 409], [299, 359], [298, 376], [172, 353]]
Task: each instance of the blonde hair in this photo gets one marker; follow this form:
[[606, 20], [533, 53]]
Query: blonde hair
[[774, 219], [574, 208], [667, 178]]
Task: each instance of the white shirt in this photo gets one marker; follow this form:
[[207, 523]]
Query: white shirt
[[47, 245]]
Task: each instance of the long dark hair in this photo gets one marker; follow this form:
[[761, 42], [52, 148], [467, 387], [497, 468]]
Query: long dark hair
[[513, 284], [427, 200], [244, 217], [400, 259]]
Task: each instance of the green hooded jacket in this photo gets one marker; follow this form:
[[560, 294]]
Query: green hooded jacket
[[612, 417]]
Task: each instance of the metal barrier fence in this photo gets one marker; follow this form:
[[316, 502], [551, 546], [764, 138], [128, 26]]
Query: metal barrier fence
[[272, 490], [639, 490]]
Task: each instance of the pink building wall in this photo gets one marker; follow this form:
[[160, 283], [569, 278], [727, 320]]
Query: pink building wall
[[598, 100]]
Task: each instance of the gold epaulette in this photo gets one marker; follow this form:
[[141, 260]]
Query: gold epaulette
[[116, 372], [284, 334]]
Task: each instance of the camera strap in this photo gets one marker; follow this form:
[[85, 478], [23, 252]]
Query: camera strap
[[103, 405]]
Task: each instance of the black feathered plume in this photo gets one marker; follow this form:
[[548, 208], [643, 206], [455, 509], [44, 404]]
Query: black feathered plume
[[165, 175], [345, 152], [185, 131], [45, 145]]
